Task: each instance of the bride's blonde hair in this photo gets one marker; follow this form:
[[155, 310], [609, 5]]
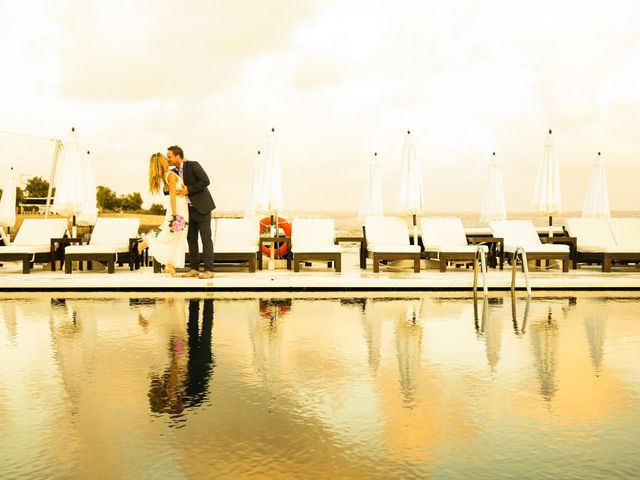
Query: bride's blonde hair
[[157, 172]]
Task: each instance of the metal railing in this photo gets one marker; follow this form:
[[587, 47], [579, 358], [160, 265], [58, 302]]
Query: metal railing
[[525, 269], [479, 255]]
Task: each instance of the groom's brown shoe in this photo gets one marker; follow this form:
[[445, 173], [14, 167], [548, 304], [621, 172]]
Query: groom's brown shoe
[[206, 275], [190, 274]]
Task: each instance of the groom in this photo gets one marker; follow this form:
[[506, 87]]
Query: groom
[[201, 204]]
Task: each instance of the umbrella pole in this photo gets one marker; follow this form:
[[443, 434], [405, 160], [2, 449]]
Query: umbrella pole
[[550, 226], [274, 219], [56, 152], [415, 230], [74, 228]]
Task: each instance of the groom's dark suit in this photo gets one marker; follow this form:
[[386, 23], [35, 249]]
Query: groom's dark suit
[[200, 207]]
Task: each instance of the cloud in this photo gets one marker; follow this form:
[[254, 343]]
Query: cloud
[[130, 51]]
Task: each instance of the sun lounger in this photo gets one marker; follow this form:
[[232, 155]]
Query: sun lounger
[[33, 241], [605, 241], [387, 238], [314, 239], [112, 239], [444, 239], [237, 239], [522, 234]]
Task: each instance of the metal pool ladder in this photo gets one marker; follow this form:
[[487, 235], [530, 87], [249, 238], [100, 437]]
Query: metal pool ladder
[[525, 269], [479, 255]]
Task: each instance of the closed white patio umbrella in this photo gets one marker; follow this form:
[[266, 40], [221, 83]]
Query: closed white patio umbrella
[[254, 203], [8, 202], [493, 206], [596, 203], [89, 206], [269, 197], [371, 202], [546, 195], [69, 189], [411, 192]]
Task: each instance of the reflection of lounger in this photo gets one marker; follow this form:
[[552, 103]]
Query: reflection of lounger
[[236, 239], [33, 241], [314, 239], [522, 233], [444, 240], [387, 238], [605, 241], [112, 239]]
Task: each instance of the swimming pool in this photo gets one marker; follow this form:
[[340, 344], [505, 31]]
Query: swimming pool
[[319, 386]]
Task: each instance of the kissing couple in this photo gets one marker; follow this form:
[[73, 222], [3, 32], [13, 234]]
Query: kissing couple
[[189, 208]]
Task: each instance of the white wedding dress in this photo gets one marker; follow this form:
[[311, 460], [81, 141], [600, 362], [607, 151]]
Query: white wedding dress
[[170, 247]]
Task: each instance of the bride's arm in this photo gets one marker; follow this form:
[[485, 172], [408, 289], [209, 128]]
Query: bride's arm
[[172, 178]]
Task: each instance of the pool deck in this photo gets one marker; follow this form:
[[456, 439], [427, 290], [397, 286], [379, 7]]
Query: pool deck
[[317, 278]]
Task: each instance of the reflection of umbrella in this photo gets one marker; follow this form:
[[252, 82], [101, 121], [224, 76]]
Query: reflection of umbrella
[[546, 196], [544, 340], [8, 202], [409, 347], [493, 207], [69, 190], [88, 208], [371, 323], [73, 328], [410, 195], [371, 203], [596, 203], [255, 189], [595, 322], [492, 330]]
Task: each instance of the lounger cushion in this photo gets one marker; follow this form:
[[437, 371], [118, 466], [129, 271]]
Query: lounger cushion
[[92, 249], [442, 231], [456, 248], [236, 235], [313, 235], [40, 231], [25, 249], [393, 248], [516, 233], [626, 231], [542, 248], [235, 249], [386, 230], [113, 232], [593, 235]]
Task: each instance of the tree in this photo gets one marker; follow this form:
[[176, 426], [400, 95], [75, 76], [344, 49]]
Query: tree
[[131, 202], [37, 187], [156, 209], [107, 199]]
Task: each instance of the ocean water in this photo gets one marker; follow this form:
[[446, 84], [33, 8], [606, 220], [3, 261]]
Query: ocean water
[[348, 223], [319, 386]]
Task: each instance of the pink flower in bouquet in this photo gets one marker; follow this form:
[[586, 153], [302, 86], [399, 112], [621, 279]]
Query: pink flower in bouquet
[[177, 223]]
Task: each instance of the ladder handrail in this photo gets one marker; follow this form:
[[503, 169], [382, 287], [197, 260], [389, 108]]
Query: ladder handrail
[[483, 266], [525, 269]]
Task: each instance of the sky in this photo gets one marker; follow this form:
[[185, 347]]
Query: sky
[[339, 80]]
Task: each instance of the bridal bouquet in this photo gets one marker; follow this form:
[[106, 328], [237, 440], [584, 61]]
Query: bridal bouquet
[[177, 223]]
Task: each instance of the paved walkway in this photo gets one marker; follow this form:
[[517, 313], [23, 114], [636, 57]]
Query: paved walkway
[[317, 278]]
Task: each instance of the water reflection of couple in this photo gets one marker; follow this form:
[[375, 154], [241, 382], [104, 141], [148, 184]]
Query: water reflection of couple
[[185, 381]]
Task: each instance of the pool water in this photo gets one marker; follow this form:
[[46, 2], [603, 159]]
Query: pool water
[[330, 386]]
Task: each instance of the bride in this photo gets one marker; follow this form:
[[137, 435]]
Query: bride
[[169, 246]]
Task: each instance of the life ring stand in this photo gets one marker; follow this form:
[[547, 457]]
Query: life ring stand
[[283, 247]]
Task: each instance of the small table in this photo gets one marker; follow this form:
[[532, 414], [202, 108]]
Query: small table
[[354, 239], [565, 240], [496, 247], [276, 239], [59, 243]]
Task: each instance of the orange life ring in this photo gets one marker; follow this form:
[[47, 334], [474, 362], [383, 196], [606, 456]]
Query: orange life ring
[[283, 246]]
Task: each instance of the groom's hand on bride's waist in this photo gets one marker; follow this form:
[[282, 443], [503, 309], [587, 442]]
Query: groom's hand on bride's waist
[[183, 192]]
